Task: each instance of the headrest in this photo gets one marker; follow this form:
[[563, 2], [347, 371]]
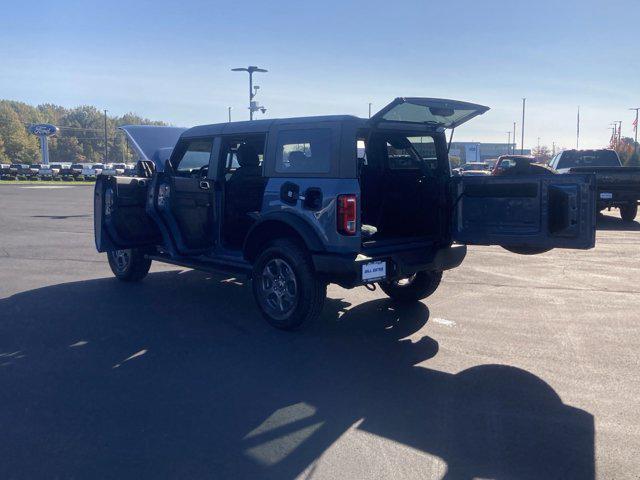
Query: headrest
[[297, 159], [247, 156]]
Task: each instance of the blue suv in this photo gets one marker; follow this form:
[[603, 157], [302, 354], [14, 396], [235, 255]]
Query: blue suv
[[297, 203]]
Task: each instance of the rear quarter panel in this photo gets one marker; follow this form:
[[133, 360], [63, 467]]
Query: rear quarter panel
[[323, 219]]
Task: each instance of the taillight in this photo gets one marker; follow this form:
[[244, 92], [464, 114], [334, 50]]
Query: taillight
[[347, 214]]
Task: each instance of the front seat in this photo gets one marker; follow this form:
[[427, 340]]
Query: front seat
[[249, 163], [244, 191]]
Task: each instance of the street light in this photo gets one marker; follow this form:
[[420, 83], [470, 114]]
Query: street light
[[635, 143], [253, 106]]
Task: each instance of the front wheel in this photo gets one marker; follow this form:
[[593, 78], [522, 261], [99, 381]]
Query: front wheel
[[629, 212], [413, 288], [129, 265], [286, 287]]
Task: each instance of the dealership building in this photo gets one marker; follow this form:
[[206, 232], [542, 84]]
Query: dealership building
[[477, 151]]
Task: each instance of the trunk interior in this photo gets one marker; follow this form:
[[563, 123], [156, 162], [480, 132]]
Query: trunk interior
[[402, 187]]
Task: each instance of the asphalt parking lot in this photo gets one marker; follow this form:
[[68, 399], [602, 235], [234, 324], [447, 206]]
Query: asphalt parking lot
[[517, 367]]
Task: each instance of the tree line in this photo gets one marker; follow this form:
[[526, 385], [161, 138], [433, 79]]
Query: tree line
[[80, 139]]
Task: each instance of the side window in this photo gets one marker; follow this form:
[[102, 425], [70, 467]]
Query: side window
[[304, 151], [243, 151], [195, 157]]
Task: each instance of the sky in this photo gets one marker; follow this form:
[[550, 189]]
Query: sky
[[171, 61]]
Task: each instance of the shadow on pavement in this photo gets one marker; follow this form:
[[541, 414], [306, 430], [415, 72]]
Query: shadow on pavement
[[607, 222], [179, 377]]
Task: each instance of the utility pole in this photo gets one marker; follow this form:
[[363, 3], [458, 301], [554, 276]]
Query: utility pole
[[553, 149], [369, 109], [524, 100], [253, 106], [619, 132], [514, 138], [508, 142], [635, 142], [578, 130], [106, 146], [229, 111]]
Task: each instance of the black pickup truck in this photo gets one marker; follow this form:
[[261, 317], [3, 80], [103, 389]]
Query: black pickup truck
[[618, 186]]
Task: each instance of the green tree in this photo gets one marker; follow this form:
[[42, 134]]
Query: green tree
[[19, 145]]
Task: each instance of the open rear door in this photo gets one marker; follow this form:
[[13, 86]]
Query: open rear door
[[119, 216], [433, 112], [528, 213]]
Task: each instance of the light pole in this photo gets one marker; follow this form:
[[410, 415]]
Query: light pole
[[369, 109], [106, 146], [508, 142], [514, 138], [253, 106], [229, 112], [635, 142], [524, 101]]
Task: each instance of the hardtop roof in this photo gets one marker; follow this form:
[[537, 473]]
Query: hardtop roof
[[263, 126]]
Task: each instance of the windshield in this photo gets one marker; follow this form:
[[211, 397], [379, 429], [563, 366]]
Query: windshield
[[589, 158]]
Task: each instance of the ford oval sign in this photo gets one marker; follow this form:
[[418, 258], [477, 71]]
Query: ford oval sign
[[43, 129]]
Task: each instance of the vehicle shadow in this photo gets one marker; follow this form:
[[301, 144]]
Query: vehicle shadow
[[608, 222], [179, 377]]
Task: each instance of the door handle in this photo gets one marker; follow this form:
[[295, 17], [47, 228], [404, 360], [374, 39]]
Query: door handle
[[204, 185]]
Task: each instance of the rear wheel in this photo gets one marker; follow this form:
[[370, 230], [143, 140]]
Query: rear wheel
[[629, 212], [129, 265], [413, 288], [285, 286]]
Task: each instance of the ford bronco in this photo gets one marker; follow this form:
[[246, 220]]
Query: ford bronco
[[294, 204]]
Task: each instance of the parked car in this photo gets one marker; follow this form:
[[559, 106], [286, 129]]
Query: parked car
[[119, 168], [64, 171], [98, 168], [474, 169], [5, 172], [20, 169], [290, 205], [618, 186], [88, 172], [520, 165], [130, 170], [46, 172], [33, 170], [76, 168]]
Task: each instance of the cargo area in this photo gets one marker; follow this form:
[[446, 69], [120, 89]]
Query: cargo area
[[402, 183]]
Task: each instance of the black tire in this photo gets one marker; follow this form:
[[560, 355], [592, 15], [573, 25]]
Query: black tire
[[285, 286], [412, 289], [629, 212], [129, 265]]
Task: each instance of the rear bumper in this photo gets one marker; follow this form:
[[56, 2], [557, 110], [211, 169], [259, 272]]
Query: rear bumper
[[346, 270]]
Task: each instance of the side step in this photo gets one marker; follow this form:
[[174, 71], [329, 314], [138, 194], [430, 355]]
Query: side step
[[211, 266]]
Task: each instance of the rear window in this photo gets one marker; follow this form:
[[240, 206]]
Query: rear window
[[588, 158], [304, 151]]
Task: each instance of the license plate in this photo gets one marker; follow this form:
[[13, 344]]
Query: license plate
[[606, 196], [374, 271]]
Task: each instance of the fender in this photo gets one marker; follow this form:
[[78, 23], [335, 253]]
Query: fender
[[283, 220]]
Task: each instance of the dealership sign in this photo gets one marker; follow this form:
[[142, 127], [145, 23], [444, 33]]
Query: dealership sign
[[43, 129]]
